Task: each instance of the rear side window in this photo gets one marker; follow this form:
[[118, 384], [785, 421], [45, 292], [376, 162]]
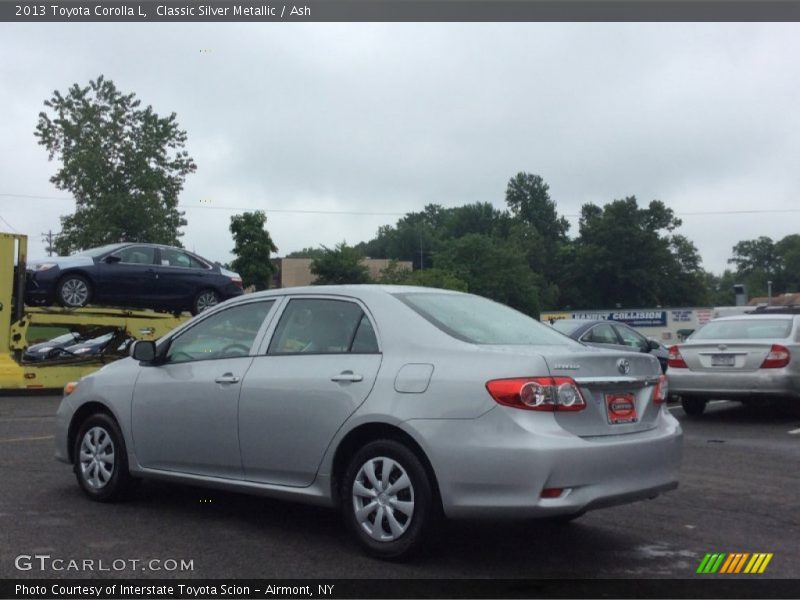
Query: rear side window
[[322, 326], [175, 258], [744, 329], [481, 321]]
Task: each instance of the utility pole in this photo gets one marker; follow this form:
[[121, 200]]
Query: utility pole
[[421, 254], [49, 237]]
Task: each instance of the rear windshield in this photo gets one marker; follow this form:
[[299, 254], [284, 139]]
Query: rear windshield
[[744, 329], [566, 326], [481, 321]]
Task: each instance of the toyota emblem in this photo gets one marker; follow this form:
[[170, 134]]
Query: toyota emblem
[[624, 365]]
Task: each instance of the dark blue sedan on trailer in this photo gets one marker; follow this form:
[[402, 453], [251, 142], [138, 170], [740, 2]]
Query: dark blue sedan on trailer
[[131, 275]]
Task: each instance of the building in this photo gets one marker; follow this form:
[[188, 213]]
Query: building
[[295, 272]]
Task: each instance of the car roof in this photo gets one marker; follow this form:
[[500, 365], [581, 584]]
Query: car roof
[[750, 317], [356, 290]]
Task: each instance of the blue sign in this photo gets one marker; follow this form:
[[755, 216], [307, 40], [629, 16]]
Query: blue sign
[[634, 318]]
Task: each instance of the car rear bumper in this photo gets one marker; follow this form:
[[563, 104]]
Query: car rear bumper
[[731, 385], [497, 466]]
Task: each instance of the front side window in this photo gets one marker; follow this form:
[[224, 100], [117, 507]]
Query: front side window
[[227, 334], [137, 255], [631, 338], [601, 334], [311, 326]]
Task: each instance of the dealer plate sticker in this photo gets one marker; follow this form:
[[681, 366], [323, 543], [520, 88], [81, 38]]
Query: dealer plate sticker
[[621, 408]]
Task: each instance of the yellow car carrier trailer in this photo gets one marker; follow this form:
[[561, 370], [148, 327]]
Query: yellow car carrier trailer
[[17, 321]]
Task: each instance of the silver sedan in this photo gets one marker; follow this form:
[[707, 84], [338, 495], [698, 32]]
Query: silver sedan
[[397, 404], [747, 358]]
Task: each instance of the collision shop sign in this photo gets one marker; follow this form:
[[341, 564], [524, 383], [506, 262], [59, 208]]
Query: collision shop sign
[[634, 318]]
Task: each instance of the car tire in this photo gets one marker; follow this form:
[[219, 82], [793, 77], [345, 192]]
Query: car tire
[[693, 406], [101, 460], [406, 517], [73, 291], [204, 300]]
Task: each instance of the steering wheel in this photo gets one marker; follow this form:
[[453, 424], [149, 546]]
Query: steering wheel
[[245, 350]]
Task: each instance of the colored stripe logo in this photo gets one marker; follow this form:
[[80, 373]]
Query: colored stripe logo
[[734, 563]]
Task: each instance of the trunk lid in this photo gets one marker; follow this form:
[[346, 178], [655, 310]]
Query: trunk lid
[[618, 388], [725, 355]]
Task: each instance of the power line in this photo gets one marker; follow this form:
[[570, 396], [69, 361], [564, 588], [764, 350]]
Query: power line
[[11, 227], [400, 214]]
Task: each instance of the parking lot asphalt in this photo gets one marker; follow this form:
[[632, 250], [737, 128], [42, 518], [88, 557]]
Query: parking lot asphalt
[[739, 491]]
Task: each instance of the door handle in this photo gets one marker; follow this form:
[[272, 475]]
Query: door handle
[[347, 376], [227, 378]]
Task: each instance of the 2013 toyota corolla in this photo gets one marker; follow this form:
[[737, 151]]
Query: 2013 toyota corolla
[[397, 404]]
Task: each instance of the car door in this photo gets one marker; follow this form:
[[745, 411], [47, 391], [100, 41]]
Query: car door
[[180, 277], [127, 276], [185, 410], [318, 367]]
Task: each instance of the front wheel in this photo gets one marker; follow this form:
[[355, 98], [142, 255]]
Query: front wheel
[[387, 499], [204, 300], [101, 461], [73, 291], [693, 406]]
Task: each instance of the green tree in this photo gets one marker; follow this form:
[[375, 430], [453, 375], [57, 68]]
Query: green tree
[[528, 197], [757, 262], [252, 247], [307, 253], [494, 269], [627, 256], [338, 265], [789, 251], [436, 278], [124, 165]]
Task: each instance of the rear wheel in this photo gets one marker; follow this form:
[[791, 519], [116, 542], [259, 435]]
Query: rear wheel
[[387, 499], [693, 406], [73, 291], [204, 300], [101, 460]]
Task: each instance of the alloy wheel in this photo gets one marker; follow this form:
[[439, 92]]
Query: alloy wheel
[[206, 300], [75, 292]]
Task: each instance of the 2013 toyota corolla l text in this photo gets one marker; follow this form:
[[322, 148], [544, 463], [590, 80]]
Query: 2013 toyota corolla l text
[[398, 404]]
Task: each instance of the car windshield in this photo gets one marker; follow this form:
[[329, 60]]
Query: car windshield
[[95, 252], [480, 321], [744, 329]]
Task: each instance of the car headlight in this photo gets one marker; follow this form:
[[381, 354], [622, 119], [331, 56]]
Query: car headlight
[[44, 266]]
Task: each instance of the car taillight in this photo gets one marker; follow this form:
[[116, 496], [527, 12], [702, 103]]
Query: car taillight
[[675, 360], [237, 281], [778, 357], [538, 393], [662, 390]]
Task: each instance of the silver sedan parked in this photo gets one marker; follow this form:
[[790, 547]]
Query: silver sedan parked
[[747, 357], [397, 404]]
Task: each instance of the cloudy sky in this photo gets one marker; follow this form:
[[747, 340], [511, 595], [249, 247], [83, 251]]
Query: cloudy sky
[[374, 120]]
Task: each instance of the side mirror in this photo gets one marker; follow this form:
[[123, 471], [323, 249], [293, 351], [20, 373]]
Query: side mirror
[[653, 344], [143, 351], [112, 259]]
